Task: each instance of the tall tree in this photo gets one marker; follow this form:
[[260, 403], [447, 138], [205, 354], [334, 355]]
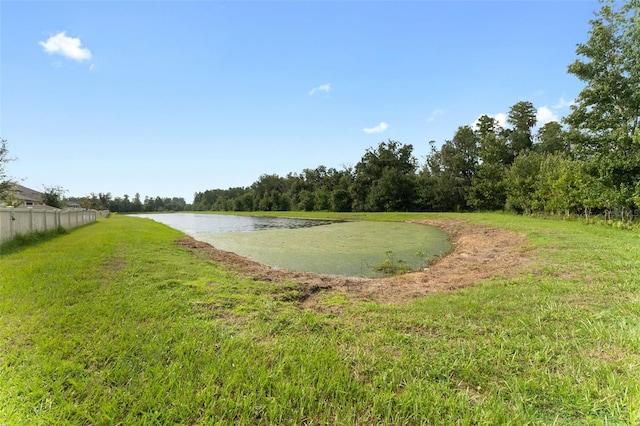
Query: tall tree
[[606, 114], [522, 117], [449, 172], [374, 188], [551, 138], [487, 125], [487, 190], [607, 110]]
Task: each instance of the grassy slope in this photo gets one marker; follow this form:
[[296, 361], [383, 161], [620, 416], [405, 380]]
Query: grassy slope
[[113, 323]]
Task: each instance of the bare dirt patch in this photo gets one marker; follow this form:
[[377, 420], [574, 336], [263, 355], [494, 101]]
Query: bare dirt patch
[[478, 253]]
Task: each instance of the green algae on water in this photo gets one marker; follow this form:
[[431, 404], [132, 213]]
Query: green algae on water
[[354, 249]]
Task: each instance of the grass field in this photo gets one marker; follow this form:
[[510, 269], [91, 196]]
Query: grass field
[[113, 323]]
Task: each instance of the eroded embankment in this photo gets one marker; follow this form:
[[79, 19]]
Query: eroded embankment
[[479, 252]]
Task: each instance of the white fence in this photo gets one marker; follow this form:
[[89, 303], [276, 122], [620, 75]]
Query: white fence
[[25, 220]]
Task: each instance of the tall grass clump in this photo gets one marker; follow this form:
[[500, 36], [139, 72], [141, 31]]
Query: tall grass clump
[[25, 240]]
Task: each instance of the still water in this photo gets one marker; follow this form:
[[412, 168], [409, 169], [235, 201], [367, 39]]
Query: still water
[[353, 249], [196, 224]]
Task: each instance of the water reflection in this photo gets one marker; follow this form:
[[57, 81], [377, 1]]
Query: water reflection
[[194, 223]]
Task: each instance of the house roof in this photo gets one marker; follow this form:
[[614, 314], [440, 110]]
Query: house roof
[[26, 194]]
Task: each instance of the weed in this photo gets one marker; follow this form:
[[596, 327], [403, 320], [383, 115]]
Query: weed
[[392, 265]]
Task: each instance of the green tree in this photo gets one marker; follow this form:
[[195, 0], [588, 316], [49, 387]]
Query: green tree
[[605, 118], [6, 184], [493, 145], [433, 185], [53, 195], [392, 191], [449, 172], [521, 182], [270, 193], [486, 126], [307, 200], [551, 138], [487, 190], [522, 117], [322, 199], [98, 201], [126, 203], [607, 110], [136, 204], [559, 186], [341, 200], [373, 188]]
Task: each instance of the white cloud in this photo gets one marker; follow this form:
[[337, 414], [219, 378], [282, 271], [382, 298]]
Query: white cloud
[[545, 115], [435, 115], [376, 129], [322, 88], [68, 47], [500, 117]]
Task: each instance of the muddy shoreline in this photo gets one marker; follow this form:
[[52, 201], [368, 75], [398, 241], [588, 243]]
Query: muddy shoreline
[[478, 253]]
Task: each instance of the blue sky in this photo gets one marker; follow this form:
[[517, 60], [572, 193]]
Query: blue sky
[[167, 98]]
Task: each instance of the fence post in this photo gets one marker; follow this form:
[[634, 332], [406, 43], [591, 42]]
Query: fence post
[[12, 226], [6, 221]]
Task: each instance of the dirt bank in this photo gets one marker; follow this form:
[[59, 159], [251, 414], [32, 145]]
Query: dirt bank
[[478, 253]]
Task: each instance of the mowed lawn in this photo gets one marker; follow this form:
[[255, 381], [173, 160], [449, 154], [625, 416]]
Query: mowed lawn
[[114, 323]]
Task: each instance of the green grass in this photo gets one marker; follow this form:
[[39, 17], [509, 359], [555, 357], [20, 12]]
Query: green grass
[[22, 241], [115, 324]]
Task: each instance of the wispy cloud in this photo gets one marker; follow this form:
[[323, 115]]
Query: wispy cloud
[[432, 117], [563, 103], [322, 88], [376, 129], [69, 47]]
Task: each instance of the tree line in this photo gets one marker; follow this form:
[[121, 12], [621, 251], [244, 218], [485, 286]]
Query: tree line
[[125, 204], [468, 172], [588, 164], [54, 196]]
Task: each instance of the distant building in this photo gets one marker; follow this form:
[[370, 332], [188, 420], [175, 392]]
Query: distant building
[[26, 196]]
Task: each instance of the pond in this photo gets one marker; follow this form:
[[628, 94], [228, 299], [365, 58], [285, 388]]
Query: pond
[[354, 249], [195, 224]]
